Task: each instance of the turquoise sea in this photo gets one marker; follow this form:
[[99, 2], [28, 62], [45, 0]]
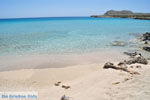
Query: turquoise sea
[[57, 35]]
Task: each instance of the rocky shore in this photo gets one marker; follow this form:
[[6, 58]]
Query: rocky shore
[[123, 14], [145, 38], [142, 42]]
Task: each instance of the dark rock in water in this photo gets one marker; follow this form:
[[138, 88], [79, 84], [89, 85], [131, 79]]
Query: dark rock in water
[[148, 58], [146, 36], [146, 49], [138, 59], [132, 54], [146, 42], [135, 34], [118, 43]]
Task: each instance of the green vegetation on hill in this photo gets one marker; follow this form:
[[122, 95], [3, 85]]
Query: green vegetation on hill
[[125, 14]]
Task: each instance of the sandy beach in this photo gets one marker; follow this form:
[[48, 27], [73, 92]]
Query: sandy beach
[[86, 80], [74, 50]]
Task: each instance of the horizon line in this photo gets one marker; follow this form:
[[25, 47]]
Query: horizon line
[[43, 17]]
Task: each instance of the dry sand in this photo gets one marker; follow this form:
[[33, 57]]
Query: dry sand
[[88, 82]]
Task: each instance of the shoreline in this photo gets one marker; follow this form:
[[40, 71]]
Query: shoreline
[[42, 61], [101, 16]]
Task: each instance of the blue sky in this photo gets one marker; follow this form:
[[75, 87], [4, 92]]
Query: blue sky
[[52, 8]]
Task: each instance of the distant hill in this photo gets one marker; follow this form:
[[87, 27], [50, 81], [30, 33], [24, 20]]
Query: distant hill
[[124, 14]]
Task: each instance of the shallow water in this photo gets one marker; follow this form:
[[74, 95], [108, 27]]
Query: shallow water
[[65, 34]]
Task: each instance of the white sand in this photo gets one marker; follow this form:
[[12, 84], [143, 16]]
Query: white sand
[[87, 81]]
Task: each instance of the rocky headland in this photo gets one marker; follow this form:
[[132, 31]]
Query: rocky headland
[[123, 14]]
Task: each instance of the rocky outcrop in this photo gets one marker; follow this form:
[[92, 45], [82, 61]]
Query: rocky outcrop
[[124, 65], [140, 60], [145, 41], [136, 58], [146, 48], [145, 36], [111, 65]]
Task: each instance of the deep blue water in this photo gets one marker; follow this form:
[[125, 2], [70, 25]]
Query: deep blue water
[[65, 34]]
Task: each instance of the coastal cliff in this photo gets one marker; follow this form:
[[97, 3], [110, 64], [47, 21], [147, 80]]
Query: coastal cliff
[[124, 14]]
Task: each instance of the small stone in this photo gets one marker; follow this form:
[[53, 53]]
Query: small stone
[[138, 66], [134, 73], [116, 83], [66, 87], [126, 79], [57, 84], [131, 66]]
